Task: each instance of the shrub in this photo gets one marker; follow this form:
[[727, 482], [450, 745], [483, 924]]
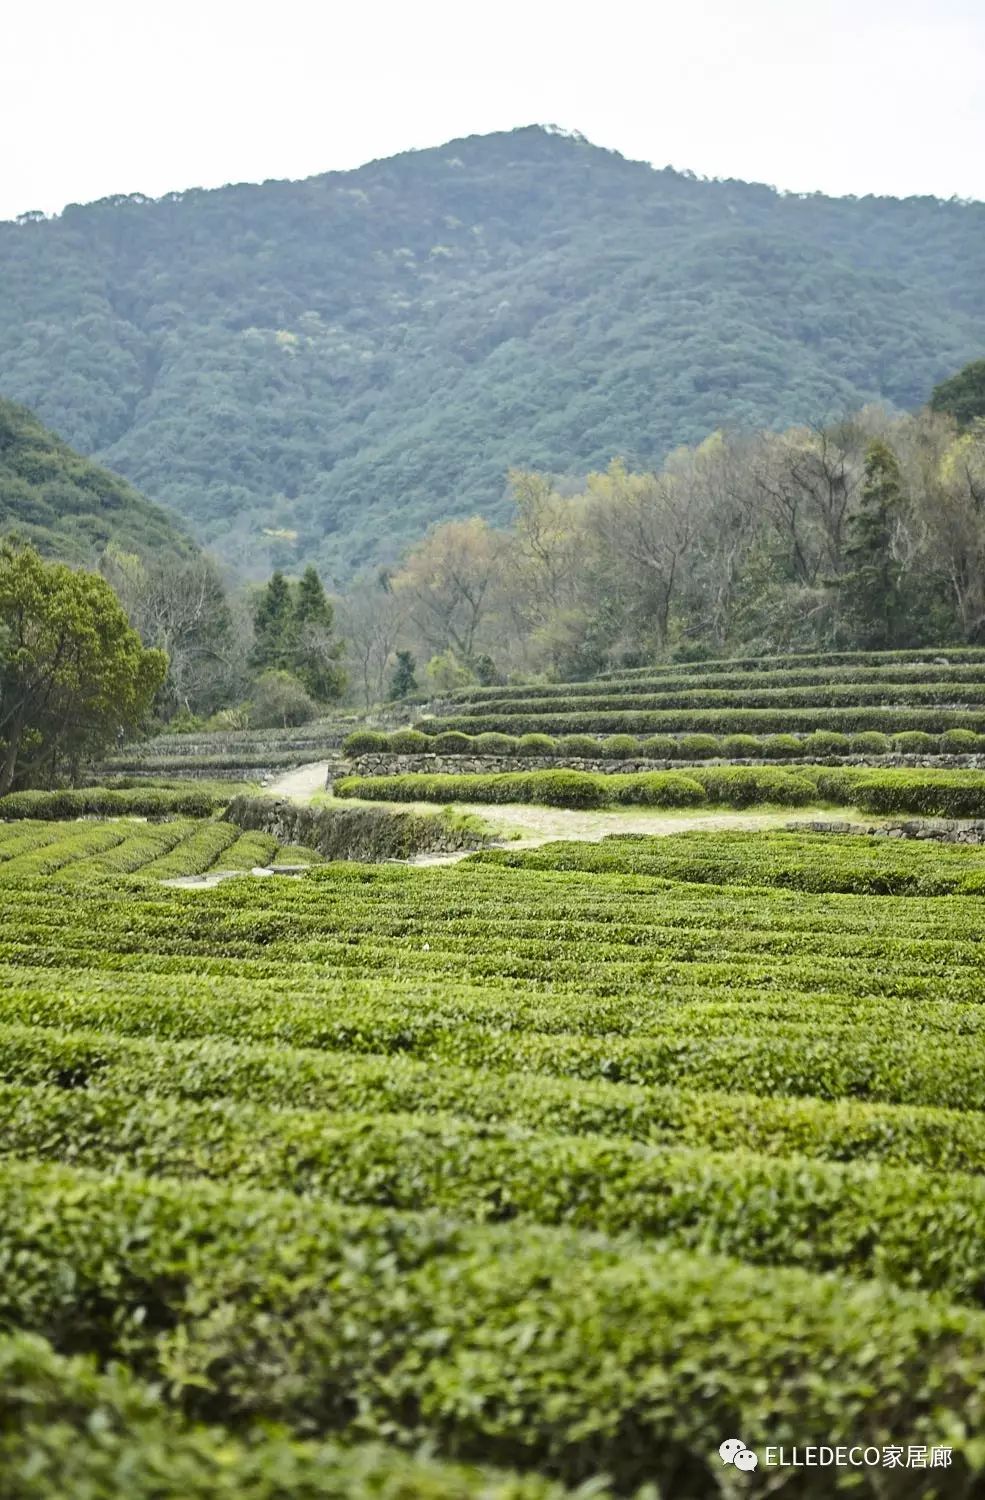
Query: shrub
[[580, 745], [658, 789], [959, 742], [453, 743], [409, 742], [365, 742], [870, 743], [566, 789], [660, 747], [495, 744], [915, 742], [825, 742], [778, 746], [697, 747], [280, 701], [619, 747], [741, 786], [152, 802], [536, 744], [741, 747]]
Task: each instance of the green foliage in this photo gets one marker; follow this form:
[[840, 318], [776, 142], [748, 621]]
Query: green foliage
[[495, 744], [73, 675], [460, 318], [365, 742], [274, 641], [873, 587], [915, 742], [616, 747], [963, 395], [535, 744], [453, 743], [71, 1429], [403, 682], [409, 742], [139, 802], [697, 746], [279, 700], [70, 508], [870, 743], [657, 789], [583, 746]]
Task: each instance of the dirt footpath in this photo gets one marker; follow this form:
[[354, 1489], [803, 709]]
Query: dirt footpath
[[300, 785]]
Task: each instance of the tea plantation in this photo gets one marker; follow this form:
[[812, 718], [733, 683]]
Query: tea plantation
[[530, 1177]]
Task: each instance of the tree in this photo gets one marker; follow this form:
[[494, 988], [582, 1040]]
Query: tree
[[316, 651], [280, 702], [181, 608], [274, 635], [73, 674], [873, 587], [963, 396], [449, 582], [404, 681]]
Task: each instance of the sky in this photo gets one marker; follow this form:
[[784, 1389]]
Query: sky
[[843, 96]]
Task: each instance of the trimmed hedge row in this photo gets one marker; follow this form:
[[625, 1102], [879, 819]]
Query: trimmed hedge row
[[688, 747], [716, 721], [537, 1347], [910, 1226], [70, 1431], [821, 695], [100, 802], [949, 655], [735, 786], [659, 680], [283, 1077], [800, 862]]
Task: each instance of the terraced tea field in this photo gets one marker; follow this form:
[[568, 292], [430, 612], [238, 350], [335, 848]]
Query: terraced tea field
[[893, 694], [486, 1181]]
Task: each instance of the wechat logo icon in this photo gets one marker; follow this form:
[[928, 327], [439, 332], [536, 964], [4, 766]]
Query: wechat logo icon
[[734, 1451]]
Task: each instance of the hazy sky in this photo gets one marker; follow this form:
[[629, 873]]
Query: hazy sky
[[847, 96]]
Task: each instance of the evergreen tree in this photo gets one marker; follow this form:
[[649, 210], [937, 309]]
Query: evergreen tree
[[963, 396], [316, 651], [873, 586], [403, 682], [273, 626]]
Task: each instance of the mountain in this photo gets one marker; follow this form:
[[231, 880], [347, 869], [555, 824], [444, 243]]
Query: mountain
[[69, 507], [317, 370]]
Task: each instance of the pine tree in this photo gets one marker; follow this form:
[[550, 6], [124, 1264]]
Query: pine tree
[[316, 651], [403, 682], [273, 626], [873, 586]]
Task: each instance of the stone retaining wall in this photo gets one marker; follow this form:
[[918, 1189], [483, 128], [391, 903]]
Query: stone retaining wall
[[942, 830], [382, 763]]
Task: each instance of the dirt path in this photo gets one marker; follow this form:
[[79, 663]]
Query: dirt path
[[525, 825], [302, 784]]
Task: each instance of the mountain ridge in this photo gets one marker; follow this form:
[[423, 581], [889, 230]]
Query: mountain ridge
[[320, 369]]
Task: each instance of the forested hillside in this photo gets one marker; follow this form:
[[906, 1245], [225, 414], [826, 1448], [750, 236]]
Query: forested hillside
[[318, 370], [71, 508]]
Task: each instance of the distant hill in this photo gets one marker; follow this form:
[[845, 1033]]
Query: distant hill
[[67, 506], [318, 370]]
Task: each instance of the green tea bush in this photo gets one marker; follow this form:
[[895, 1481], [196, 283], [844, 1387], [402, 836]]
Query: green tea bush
[[741, 747], [495, 744], [824, 742], [152, 802], [619, 747], [781, 746], [916, 742], [453, 743], [660, 747], [535, 745], [744, 786], [581, 746], [409, 742], [365, 742], [697, 747], [959, 742], [871, 743], [658, 789]]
